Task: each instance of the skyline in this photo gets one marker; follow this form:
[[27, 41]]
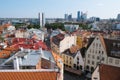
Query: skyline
[[104, 9]]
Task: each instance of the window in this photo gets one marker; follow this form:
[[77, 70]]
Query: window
[[96, 44], [99, 52], [102, 52], [96, 52], [78, 58], [93, 50], [116, 61], [77, 62], [92, 62], [95, 78], [110, 60], [87, 67], [98, 58], [88, 55], [66, 61], [74, 65], [99, 45], [77, 67], [88, 61], [81, 67], [92, 69], [70, 62], [103, 58], [93, 56]]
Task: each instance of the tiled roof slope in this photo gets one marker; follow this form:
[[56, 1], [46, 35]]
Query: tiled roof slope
[[112, 46], [72, 51], [90, 42], [56, 39], [109, 72], [28, 76], [4, 54], [57, 58]]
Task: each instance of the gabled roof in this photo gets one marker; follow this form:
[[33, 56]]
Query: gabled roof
[[25, 75], [90, 42], [109, 72], [70, 52], [56, 39], [112, 47]]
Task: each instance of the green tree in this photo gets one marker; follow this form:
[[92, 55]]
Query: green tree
[[55, 26], [33, 26]]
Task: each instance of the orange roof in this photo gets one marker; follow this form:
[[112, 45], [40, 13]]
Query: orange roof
[[28, 75], [102, 40], [74, 49], [6, 25], [11, 49], [5, 54], [56, 58]]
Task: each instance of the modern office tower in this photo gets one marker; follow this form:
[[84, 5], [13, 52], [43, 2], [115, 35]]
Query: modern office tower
[[78, 16], [41, 18], [66, 17], [118, 17], [83, 16], [70, 17]]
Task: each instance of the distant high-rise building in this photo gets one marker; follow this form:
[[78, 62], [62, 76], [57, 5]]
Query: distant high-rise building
[[70, 17], [66, 17], [41, 18], [83, 16], [118, 17], [78, 16]]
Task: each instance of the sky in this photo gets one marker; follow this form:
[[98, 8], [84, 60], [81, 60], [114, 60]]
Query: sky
[[57, 8]]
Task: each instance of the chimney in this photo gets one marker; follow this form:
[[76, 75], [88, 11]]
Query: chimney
[[16, 63]]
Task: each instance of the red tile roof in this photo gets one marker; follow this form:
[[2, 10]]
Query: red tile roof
[[28, 44], [109, 72], [28, 75]]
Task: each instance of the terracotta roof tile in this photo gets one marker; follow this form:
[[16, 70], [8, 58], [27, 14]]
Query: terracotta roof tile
[[28, 75], [109, 72], [5, 54], [57, 57], [102, 40], [74, 49]]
